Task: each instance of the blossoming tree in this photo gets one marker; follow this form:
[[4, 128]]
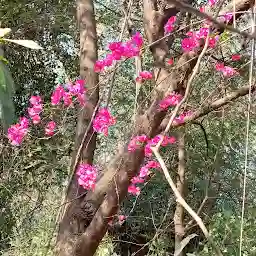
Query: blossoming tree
[[93, 197]]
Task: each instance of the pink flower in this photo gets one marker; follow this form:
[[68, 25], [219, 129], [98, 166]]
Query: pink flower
[[24, 122], [57, 95], [122, 217], [169, 25], [35, 100], [49, 128], [77, 88], [136, 142], [229, 71], [236, 57], [212, 2], [120, 50], [189, 44], [87, 175], [213, 41], [226, 17], [134, 190], [219, 66], [226, 70], [36, 119], [153, 142], [144, 75], [170, 61], [202, 9], [102, 121], [137, 39], [136, 180], [67, 98], [152, 164], [81, 99], [99, 66], [17, 132], [171, 100], [144, 172]]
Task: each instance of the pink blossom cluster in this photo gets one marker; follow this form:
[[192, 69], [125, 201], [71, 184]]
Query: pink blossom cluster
[[153, 142], [35, 109], [226, 70], [103, 120], [212, 2], [171, 100], [120, 50], [144, 172], [87, 175], [17, 132], [192, 42], [74, 90], [226, 17], [144, 75], [136, 142], [169, 27], [236, 57], [50, 128]]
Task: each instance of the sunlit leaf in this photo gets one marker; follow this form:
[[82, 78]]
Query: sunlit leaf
[[4, 31], [26, 43]]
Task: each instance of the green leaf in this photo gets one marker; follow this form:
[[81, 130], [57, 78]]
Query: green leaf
[[7, 111], [26, 43], [183, 243]]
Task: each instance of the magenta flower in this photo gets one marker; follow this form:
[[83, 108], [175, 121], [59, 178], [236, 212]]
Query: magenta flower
[[137, 179], [132, 189], [50, 128], [136, 142], [169, 27], [144, 75], [35, 100], [122, 217], [236, 57], [87, 175], [152, 164], [17, 132], [67, 98], [171, 100], [137, 39], [36, 119], [57, 95], [102, 121], [153, 142], [226, 70]]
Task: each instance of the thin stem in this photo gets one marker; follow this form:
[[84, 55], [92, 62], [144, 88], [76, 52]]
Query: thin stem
[[247, 130]]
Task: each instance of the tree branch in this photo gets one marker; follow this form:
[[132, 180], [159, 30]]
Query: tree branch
[[181, 201], [212, 106]]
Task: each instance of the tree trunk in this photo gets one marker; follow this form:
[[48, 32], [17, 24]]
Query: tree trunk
[[179, 212], [116, 178], [77, 215]]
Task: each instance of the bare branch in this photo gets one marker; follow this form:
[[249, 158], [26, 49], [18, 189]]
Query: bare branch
[[181, 201], [190, 9]]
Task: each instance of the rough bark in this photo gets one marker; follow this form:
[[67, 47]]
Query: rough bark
[[76, 215], [179, 211]]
